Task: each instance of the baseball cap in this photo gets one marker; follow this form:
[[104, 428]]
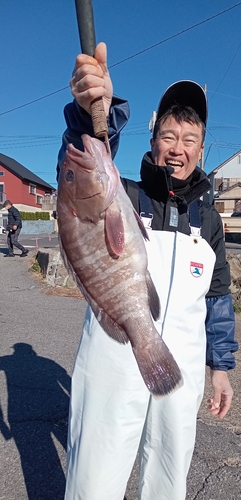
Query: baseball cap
[[7, 202], [185, 93]]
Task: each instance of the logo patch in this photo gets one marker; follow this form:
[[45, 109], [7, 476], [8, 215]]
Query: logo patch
[[196, 269]]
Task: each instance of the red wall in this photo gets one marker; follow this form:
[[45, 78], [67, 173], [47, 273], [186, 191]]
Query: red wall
[[12, 186], [17, 191], [30, 199]]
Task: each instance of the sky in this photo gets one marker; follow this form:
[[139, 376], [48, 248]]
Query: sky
[[151, 44]]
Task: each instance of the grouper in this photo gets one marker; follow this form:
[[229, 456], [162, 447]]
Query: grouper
[[102, 245]]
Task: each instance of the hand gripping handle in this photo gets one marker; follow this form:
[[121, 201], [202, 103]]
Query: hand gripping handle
[[85, 19]]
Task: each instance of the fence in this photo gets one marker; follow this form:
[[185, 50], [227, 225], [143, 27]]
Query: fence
[[232, 229], [38, 226]]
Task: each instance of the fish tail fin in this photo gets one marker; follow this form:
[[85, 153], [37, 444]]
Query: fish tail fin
[[158, 368]]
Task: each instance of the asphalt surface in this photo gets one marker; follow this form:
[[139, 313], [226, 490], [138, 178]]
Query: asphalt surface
[[39, 338], [32, 241]]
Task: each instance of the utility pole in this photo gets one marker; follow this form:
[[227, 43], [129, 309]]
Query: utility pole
[[202, 157], [152, 121]]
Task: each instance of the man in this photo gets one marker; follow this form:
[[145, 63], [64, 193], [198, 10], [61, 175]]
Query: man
[[14, 227], [112, 415]]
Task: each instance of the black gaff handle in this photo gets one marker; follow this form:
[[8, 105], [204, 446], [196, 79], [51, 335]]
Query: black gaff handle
[[85, 19]]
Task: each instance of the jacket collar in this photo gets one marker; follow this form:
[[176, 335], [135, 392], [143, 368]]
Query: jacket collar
[[158, 183]]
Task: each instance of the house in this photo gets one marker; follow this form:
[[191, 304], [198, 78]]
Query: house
[[225, 180], [21, 186]]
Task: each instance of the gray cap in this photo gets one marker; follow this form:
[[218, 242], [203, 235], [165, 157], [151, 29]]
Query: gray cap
[[185, 93]]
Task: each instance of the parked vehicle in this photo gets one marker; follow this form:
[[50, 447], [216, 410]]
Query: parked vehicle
[[2, 230]]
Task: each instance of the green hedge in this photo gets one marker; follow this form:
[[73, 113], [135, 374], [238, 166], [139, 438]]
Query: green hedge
[[35, 215]]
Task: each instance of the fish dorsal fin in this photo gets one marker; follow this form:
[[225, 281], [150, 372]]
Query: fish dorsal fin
[[153, 298], [114, 230]]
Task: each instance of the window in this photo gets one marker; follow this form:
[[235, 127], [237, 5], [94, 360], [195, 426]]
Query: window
[[39, 199], [2, 194], [224, 185], [219, 205], [32, 188], [239, 159], [1, 173]]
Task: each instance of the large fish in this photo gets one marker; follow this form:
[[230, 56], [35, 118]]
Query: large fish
[[102, 245]]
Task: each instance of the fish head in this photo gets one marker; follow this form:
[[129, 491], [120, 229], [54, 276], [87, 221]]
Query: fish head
[[88, 180]]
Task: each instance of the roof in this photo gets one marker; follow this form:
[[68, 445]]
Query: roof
[[216, 169], [21, 171], [221, 194]]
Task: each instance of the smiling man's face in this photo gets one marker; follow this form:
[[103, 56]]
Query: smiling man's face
[[178, 145]]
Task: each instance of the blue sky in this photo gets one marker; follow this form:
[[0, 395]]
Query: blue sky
[[39, 43]]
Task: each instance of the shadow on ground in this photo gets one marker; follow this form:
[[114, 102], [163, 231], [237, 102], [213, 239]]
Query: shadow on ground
[[38, 400]]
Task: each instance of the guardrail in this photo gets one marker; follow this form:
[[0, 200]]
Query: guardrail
[[231, 224], [232, 229]]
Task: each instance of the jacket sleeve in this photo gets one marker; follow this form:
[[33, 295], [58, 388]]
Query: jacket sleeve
[[220, 319], [17, 217], [79, 122], [220, 328], [221, 274]]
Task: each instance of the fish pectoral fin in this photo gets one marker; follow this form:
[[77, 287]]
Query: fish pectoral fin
[[141, 225], [114, 230], [158, 367], [153, 298], [112, 329]]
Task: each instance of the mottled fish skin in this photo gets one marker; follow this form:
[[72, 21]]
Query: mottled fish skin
[[103, 247]]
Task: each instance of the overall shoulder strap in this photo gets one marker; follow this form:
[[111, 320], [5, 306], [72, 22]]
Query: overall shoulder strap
[[194, 218], [145, 203], [145, 208], [132, 189]]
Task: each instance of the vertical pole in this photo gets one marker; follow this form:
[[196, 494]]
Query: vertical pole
[[202, 157]]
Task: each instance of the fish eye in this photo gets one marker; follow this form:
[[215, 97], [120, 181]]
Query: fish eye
[[69, 175]]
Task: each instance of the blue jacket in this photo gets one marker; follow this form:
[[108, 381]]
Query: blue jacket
[[220, 320]]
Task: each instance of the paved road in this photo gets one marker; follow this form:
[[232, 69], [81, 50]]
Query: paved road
[[39, 337], [51, 240], [32, 241]]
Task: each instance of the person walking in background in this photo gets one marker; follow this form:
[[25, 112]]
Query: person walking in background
[[14, 227]]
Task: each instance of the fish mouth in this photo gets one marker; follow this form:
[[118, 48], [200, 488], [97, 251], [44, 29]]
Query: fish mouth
[[92, 145], [79, 159], [86, 143]]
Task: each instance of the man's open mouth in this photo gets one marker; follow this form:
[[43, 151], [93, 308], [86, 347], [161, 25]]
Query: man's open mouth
[[174, 164]]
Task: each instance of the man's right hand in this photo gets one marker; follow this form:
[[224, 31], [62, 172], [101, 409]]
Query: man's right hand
[[91, 79]]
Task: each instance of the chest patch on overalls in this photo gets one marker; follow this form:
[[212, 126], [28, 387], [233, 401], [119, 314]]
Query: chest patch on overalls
[[196, 269]]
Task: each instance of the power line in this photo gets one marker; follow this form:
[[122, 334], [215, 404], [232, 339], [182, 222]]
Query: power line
[[222, 125], [177, 34], [224, 95], [32, 102], [29, 145], [132, 56], [226, 72], [135, 129]]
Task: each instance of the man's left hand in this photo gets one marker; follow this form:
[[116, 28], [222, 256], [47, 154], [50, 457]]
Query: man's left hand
[[223, 393], [15, 227]]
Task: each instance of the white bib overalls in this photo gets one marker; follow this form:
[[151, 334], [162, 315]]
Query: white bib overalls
[[112, 414]]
